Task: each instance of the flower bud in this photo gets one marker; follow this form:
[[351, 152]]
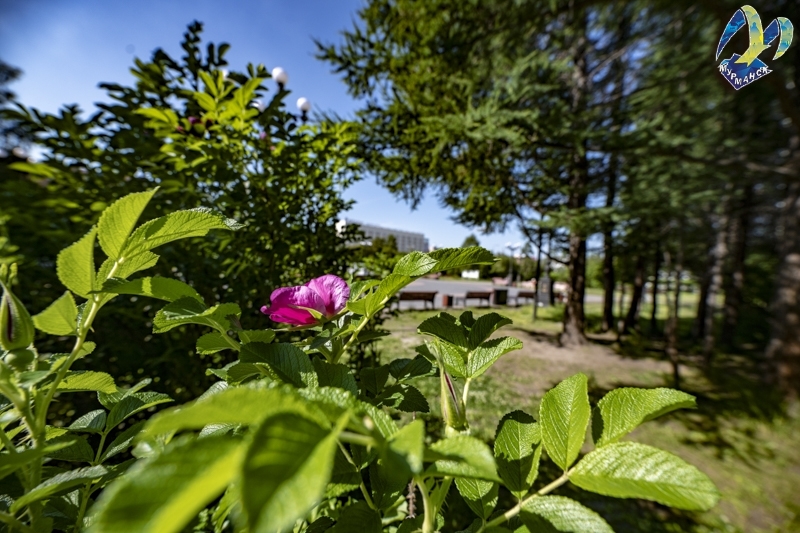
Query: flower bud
[[16, 325], [20, 359], [453, 410]]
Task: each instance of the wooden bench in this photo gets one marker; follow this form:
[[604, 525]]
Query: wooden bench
[[526, 295], [418, 296], [475, 295]]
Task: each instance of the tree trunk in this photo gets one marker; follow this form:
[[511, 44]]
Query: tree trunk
[[734, 288], [538, 276], [671, 325], [654, 310], [699, 328], [609, 280], [573, 312], [621, 322], [631, 319], [718, 254], [783, 351]]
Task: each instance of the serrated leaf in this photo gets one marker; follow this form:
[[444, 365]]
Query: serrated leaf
[[403, 397], [320, 525], [450, 356], [481, 496], [212, 342], [409, 443], [60, 318], [236, 405], [164, 494], [621, 410], [132, 404], [633, 470], [387, 288], [415, 264], [286, 470], [91, 422], [177, 225], [517, 449], [462, 456], [191, 311], [119, 219], [335, 375], [70, 448], [11, 462], [257, 335], [110, 400], [559, 514], [358, 518], [290, 363], [452, 258], [564, 415], [156, 287], [123, 441], [76, 381], [485, 355], [58, 484], [444, 327], [128, 267], [373, 379], [387, 483], [484, 326], [402, 369], [75, 265]]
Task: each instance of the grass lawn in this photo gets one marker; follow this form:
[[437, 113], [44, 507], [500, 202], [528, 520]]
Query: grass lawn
[[740, 435]]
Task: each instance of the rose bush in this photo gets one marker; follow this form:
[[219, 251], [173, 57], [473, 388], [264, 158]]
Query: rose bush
[[288, 438]]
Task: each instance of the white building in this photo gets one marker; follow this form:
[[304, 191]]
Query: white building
[[407, 241]]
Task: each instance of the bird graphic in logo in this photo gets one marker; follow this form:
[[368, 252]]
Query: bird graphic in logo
[[741, 70]]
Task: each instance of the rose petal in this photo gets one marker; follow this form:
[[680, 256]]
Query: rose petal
[[333, 291], [294, 297], [295, 317]]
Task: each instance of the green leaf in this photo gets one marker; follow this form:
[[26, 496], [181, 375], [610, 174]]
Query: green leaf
[[551, 514], [155, 287], [132, 404], [91, 422], [60, 318], [236, 405], [485, 355], [517, 449], [481, 496], [257, 335], [452, 258], [191, 311], [213, 342], [564, 415], [119, 219], [387, 482], [178, 225], [286, 470], [320, 525], [11, 462], [409, 443], [402, 369], [621, 410], [128, 267], [387, 288], [403, 397], [290, 363], [58, 484], [358, 518], [444, 327], [462, 456], [75, 265], [415, 264], [450, 356], [484, 326], [123, 441], [75, 450], [164, 494], [335, 375], [633, 470], [87, 381], [373, 379]]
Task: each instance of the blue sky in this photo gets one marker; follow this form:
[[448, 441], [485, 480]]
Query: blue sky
[[66, 48]]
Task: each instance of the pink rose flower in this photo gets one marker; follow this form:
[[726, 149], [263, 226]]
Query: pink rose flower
[[327, 295]]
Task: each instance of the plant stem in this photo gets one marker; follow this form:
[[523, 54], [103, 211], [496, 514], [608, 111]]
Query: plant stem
[[7, 442], [514, 511], [13, 523], [465, 392], [429, 519], [355, 438], [353, 337], [364, 490]]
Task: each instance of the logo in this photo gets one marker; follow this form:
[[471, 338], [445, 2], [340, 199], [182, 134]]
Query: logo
[[741, 70]]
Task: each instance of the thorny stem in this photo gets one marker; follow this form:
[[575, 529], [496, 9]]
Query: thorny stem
[[514, 511]]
